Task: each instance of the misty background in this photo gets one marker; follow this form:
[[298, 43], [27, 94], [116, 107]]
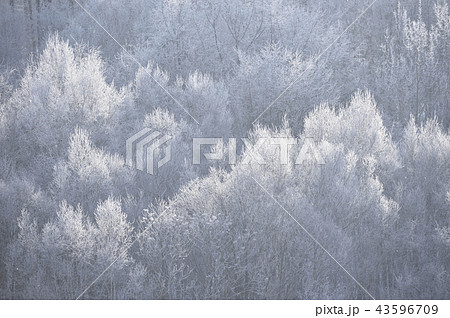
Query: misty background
[[376, 103]]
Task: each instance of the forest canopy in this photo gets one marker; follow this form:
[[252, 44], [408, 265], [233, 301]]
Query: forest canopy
[[78, 78]]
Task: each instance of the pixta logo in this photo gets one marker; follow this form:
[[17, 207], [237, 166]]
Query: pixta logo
[[150, 150], [307, 151]]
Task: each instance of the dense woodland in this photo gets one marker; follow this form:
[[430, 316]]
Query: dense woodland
[[376, 103]]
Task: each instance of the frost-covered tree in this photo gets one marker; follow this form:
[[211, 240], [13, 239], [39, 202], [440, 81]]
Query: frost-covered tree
[[89, 174], [414, 75], [61, 258], [65, 88]]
